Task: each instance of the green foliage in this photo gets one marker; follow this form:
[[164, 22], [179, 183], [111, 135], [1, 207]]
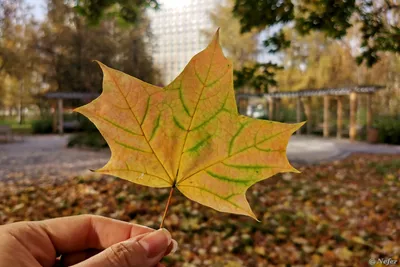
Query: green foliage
[[70, 51], [58, 53], [126, 11], [388, 129], [87, 139], [332, 17], [259, 76], [86, 124], [287, 115], [17, 128], [377, 22], [42, 126]]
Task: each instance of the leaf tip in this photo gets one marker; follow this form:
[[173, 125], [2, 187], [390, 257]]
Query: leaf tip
[[216, 36], [252, 215], [295, 170], [102, 65], [298, 125]]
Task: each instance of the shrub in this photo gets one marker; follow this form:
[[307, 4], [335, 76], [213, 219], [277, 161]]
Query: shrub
[[87, 139], [388, 129], [86, 125], [43, 126]]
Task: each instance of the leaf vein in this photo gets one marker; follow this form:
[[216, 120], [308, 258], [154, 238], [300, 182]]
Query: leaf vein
[[229, 179], [131, 147], [216, 195], [219, 161], [137, 121]]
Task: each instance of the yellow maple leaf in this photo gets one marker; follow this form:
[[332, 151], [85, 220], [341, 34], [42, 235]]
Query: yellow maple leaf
[[189, 135]]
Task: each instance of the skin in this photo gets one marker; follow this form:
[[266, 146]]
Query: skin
[[83, 241]]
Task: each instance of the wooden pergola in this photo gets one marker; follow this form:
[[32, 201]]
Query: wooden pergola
[[338, 94], [58, 98], [273, 100]]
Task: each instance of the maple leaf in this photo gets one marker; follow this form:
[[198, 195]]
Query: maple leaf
[[189, 134]]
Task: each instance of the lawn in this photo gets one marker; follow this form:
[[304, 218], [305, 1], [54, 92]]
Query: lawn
[[342, 214], [25, 128]]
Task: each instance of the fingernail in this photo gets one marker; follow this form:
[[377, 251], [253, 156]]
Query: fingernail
[[174, 246], [156, 242]]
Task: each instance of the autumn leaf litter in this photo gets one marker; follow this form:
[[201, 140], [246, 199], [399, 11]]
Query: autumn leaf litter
[[341, 213]]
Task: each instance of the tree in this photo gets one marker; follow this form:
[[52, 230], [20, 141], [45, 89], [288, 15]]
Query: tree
[[58, 54], [242, 49], [378, 21], [18, 59], [125, 11], [313, 61], [69, 45]]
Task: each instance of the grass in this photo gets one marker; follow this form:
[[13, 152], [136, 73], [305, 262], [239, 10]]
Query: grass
[[25, 128]]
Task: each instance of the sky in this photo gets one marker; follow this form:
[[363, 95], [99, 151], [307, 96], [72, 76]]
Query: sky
[[38, 8]]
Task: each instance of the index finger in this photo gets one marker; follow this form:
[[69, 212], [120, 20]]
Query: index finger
[[76, 233]]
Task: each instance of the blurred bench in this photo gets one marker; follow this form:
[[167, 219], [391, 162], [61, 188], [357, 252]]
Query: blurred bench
[[7, 132]]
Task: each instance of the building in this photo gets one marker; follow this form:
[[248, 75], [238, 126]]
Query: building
[[177, 28]]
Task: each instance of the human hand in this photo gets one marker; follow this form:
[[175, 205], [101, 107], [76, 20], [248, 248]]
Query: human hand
[[83, 241]]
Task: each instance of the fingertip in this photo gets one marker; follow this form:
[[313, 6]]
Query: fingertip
[[156, 242]]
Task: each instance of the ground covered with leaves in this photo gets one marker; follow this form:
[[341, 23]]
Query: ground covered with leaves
[[341, 213]]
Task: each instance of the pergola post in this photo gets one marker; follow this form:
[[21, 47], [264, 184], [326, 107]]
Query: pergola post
[[326, 116], [307, 111], [54, 115], [298, 113], [277, 113], [369, 110], [60, 116], [242, 103], [270, 108], [339, 119], [353, 115]]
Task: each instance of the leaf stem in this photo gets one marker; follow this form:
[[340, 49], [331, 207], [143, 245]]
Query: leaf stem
[[166, 207]]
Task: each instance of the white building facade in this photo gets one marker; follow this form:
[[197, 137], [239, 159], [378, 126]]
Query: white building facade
[[178, 34]]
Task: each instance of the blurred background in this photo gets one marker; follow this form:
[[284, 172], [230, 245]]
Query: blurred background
[[335, 64]]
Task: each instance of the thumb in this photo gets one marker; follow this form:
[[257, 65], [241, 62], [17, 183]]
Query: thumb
[[142, 251]]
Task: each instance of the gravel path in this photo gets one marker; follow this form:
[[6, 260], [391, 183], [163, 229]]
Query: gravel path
[[314, 150], [48, 157]]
